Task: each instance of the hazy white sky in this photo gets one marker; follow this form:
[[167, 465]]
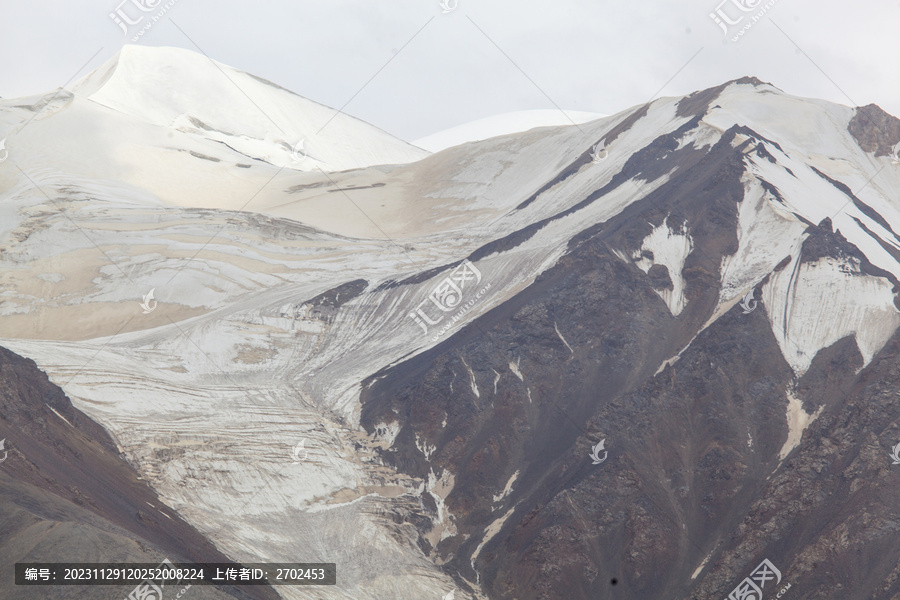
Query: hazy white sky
[[411, 69]]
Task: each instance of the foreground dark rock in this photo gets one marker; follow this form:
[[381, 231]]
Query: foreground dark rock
[[66, 495]]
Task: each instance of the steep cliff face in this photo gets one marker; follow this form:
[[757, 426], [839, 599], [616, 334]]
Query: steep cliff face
[[66, 494]]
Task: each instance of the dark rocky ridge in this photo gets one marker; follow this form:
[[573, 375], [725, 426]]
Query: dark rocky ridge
[[874, 130], [694, 471], [604, 308], [66, 495]]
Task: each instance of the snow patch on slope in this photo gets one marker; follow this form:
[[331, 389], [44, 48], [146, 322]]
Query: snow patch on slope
[[492, 530], [700, 567], [669, 248], [424, 448], [766, 234], [472, 384], [439, 488], [702, 136], [813, 305], [514, 367], [556, 327], [508, 488]]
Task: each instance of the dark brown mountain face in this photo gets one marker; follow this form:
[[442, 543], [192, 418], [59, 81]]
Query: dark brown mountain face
[[694, 492], [66, 495], [693, 470]]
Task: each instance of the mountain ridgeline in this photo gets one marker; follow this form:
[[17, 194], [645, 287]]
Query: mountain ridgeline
[[654, 355]]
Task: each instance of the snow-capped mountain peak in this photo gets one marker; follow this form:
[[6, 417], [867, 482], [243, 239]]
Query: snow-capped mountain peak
[[173, 87]]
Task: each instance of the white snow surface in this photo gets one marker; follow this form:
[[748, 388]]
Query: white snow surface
[[813, 305], [252, 116], [670, 249]]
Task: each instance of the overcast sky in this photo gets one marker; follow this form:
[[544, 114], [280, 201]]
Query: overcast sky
[[410, 68]]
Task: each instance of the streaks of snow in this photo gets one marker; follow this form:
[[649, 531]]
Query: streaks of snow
[[622, 254], [702, 136], [440, 488], [514, 367], [808, 194], [61, 417], [673, 359], [700, 568], [562, 338], [490, 532], [424, 448], [496, 380], [472, 383], [671, 249], [508, 488], [766, 233]]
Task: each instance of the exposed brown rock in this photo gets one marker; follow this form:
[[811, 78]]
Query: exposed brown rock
[[874, 130]]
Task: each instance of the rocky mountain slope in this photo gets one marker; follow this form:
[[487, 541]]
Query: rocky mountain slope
[[67, 496], [405, 368]]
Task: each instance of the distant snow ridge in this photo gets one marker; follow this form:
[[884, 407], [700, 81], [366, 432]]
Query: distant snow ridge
[[503, 124]]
